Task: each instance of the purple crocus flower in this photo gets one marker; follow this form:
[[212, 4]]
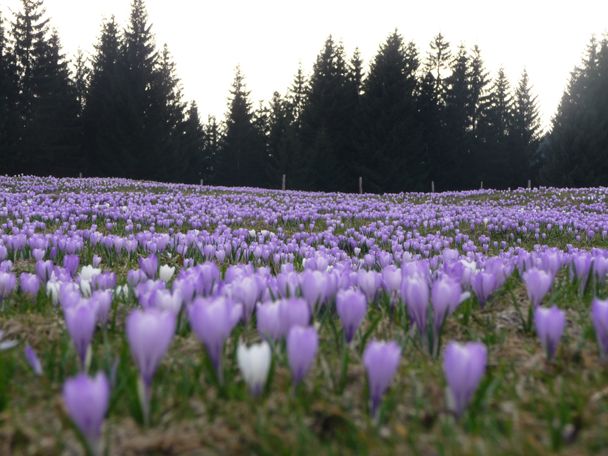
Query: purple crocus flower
[[86, 401], [8, 283], [70, 264], [538, 283], [212, 321], [369, 282], [29, 284], [268, 320], [102, 300], [149, 333], [446, 295], [484, 284], [380, 360], [415, 292], [80, 319], [33, 360], [149, 265], [582, 266], [43, 269], [550, 324], [599, 316], [351, 306], [293, 312], [313, 285], [302, 345], [464, 365]]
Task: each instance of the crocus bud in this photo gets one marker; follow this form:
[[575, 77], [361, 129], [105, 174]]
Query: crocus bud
[[302, 345], [268, 320], [550, 324], [80, 320], [149, 266], [463, 365], [599, 316], [149, 333], [538, 283], [381, 360], [86, 401], [484, 284], [212, 321], [351, 306], [254, 364], [33, 360], [29, 284], [166, 272], [8, 283], [415, 292], [446, 295]]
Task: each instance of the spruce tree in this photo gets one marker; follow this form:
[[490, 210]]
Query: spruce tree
[[456, 149], [214, 139], [388, 140], [327, 122], [104, 136], [574, 150], [9, 92], [498, 123], [525, 133], [197, 163], [242, 160], [478, 81]]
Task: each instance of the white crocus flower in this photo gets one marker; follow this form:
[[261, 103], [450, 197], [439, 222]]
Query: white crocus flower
[[166, 272], [88, 272], [254, 363], [52, 290], [6, 344]]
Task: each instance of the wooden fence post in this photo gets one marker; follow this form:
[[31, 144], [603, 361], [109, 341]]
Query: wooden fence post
[[283, 179], [432, 186], [360, 185]]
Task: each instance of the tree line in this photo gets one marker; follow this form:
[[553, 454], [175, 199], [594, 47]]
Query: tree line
[[406, 120]]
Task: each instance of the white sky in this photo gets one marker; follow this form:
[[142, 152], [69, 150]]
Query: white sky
[[268, 38]]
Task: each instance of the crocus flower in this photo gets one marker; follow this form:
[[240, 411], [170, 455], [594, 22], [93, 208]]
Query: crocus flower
[[43, 269], [369, 282], [33, 360], [166, 272], [212, 321], [484, 284], [86, 401], [351, 306], [415, 292], [268, 320], [102, 300], [254, 364], [380, 360], [446, 295], [313, 285], [8, 283], [302, 345], [463, 365], [538, 283], [29, 283], [149, 333], [293, 312], [6, 344], [550, 324], [149, 266], [80, 320], [599, 316], [70, 264]]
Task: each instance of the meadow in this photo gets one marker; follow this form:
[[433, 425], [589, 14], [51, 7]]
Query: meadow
[[148, 318]]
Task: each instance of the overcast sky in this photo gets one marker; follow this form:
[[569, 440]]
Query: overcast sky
[[268, 38]]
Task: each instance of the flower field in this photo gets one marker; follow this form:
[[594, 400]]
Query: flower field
[[149, 318]]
